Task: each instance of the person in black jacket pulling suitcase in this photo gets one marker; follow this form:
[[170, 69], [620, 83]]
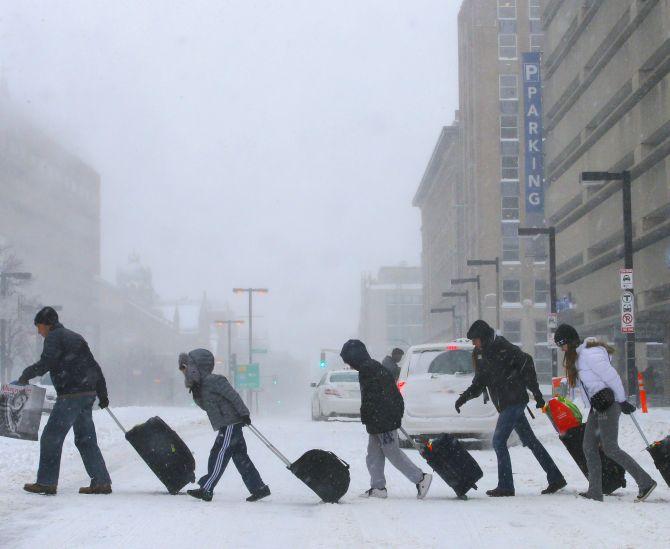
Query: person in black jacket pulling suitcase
[[508, 373], [382, 408], [227, 413], [77, 378]]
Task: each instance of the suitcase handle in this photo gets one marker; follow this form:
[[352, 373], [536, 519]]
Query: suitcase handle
[[632, 416], [116, 420], [270, 446], [411, 440]]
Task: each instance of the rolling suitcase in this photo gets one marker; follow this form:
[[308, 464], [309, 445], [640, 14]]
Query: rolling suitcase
[[451, 461], [659, 451], [323, 472], [614, 476], [163, 451]]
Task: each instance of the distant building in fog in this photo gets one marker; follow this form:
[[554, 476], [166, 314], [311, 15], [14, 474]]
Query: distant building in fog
[[391, 309], [50, 215], [607, 108]]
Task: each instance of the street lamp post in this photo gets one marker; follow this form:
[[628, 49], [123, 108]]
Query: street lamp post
[[229, 324], [551, 233], [490, 262], [451, 310], [466, 295], [4, 282], [475, 280], [251, 292], [596, 179]]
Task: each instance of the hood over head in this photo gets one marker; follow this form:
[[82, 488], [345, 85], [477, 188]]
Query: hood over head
[[200, 364], [481, 330], [354, 353]]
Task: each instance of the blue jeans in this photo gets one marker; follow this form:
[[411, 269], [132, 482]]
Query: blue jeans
[[229, 444], [75, 413], [514, 419]]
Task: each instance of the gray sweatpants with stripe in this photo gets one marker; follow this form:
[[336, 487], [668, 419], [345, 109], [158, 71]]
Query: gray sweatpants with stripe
[[605, 426], [385, 446]]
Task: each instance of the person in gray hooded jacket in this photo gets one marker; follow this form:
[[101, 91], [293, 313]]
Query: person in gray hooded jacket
[[227, 413]]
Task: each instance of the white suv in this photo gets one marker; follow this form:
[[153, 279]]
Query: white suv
[[432, 376]]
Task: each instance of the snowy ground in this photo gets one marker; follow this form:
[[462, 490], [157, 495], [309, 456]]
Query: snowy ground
[[141, 514]]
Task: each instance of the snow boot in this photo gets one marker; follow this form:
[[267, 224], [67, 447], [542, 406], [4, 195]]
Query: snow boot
[[500, 493], [586, 495], [99, 489], [40, 489], [375, 493], [423, 486], [554, 487], [199, 493], [646, 492], [262, 493]]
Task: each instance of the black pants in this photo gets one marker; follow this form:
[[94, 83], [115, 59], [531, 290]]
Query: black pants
[[230, 444]]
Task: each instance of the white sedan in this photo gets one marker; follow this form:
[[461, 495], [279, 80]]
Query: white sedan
[[432, 376], [337, 394], [50, 397]]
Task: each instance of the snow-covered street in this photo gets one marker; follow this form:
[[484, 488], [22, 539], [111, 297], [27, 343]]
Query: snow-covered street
[[141, 514]]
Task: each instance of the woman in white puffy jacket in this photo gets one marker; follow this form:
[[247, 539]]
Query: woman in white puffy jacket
[[588, 368]]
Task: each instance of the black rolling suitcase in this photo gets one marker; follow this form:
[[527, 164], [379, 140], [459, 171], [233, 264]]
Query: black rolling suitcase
[[614, 476], [163, 451], [659, 451], [453, 463]]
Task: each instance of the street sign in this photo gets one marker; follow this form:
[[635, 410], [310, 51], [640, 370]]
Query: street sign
[[552, 324], [248, 376], [626, 276], [627, 313], [259, 351]]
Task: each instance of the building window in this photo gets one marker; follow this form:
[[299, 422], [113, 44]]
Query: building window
[[536, 42], [511, 290], [507, 46], [509, 167], [510, 208], [510, 251], [541, 291], [653, 375], [540, 332], [509, 127], [508, 87], [512, 331], [534, 10], [509, 188], [506, 9]]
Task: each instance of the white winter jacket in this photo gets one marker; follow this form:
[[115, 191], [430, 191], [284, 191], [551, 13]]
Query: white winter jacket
[[596, 372]]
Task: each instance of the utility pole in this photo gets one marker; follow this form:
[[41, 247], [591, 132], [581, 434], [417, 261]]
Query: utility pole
[[250, 291], [4, 290], [229, 324], [496, 263], [466, 295], [475, 280]]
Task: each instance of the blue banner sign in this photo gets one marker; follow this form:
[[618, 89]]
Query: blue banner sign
[[532, 122]]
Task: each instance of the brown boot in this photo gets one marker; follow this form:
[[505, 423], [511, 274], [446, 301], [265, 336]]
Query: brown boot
[[100, 489], [40, 489]]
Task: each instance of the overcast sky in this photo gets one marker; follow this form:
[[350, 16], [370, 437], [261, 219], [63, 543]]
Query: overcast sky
[[273, 144]]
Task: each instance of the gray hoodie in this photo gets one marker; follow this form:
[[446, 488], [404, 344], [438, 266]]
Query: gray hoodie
[[212, 392]]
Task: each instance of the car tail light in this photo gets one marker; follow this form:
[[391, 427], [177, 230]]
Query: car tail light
[[401, 386], [330, 391], [452, 347]]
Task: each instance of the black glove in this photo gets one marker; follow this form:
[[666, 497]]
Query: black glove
[[459, 402], [627, 407], [539, 401], [22, 381], [246, 420], [103, 401]]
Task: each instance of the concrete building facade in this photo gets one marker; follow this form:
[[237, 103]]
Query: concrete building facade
[[607, 108], [391, 309]]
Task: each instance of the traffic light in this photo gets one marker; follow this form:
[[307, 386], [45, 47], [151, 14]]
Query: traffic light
[[323, 363], [274, 380]]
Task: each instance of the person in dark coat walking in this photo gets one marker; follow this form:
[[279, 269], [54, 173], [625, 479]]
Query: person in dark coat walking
[[382, 408], [508, 373], [391, 362], [227, 414], [78, 379]]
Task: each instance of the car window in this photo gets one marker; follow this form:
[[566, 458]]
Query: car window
[[344, 377], [440, 362]]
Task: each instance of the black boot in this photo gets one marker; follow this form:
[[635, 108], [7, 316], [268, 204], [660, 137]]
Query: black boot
[[262, 493], [555, 486], [499, 493], [199, 493]]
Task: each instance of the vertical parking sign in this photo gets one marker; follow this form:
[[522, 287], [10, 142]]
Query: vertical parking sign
[[532, 122]]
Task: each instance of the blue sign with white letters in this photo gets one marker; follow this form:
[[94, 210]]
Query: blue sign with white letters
[[532, 122]]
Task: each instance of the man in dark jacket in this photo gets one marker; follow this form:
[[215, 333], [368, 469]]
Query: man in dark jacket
[[508, 373], [391, 361], [227, 413], [77, 378], [382, 408]]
